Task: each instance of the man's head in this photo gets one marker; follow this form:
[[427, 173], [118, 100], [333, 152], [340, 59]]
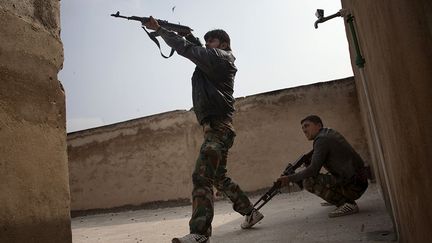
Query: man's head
[[218, 39], [311, 125]]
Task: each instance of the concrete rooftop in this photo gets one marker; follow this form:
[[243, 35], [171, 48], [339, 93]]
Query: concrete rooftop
[[288, 217]]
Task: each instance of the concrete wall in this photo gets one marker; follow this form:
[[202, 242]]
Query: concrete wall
[[396, 41], [151, 159], [34, 189]]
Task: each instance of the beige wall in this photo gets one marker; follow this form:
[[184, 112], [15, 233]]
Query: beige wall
[[396, 41], [34, 189], [151, 158]]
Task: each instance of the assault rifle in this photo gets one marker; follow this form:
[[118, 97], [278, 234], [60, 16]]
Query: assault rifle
[[163, 23], [290, 169]]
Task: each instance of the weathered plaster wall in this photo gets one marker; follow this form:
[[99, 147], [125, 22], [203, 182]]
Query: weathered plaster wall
[[151, 159], [34, 185], [138, 161], [396, 41]]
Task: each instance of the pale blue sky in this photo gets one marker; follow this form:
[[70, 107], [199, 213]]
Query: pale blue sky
[[113, 72]]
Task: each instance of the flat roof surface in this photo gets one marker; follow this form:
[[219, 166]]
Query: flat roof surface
[[288, 217]]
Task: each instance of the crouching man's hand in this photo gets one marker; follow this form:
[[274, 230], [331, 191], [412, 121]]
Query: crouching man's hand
[[283, 181]]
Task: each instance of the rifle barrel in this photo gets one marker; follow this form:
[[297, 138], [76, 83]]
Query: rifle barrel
[[117, 15]]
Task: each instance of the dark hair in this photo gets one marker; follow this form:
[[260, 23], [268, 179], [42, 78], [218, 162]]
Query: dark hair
[[221, 35], [313, 118]]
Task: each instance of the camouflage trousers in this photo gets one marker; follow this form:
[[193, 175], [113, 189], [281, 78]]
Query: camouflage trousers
[[326, 187], [210, 170]]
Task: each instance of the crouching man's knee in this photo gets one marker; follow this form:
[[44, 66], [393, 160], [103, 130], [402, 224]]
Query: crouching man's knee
[[309, 184]]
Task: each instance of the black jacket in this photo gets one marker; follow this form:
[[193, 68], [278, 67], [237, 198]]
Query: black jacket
[[212, 80]]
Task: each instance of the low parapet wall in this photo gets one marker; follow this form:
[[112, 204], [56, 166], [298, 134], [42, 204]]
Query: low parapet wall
[[151, 159]]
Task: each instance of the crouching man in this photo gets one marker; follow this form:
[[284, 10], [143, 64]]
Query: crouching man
[[347, 177]]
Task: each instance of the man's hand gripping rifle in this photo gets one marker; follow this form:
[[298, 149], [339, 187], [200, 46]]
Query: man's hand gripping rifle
[[180, 29], [290, 169]]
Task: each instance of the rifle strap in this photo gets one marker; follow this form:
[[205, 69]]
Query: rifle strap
[[153, 38]]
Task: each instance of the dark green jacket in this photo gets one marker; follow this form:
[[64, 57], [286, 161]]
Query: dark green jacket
[[212, 80]]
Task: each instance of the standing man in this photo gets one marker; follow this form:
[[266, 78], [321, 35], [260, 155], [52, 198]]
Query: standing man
[[213, 104], [347, 178]]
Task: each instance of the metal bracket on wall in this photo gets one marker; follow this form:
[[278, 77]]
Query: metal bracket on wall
[[360, 61]]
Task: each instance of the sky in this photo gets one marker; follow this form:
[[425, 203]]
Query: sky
[[113, 72]]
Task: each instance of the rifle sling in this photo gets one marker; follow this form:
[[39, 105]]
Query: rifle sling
[[153, 38]]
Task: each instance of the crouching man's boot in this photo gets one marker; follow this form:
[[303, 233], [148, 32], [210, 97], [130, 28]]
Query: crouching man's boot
[[344, 209]]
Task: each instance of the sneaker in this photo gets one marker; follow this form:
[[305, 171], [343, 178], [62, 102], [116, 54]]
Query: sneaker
[[192, 238], [345, 209], [252, 219]]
